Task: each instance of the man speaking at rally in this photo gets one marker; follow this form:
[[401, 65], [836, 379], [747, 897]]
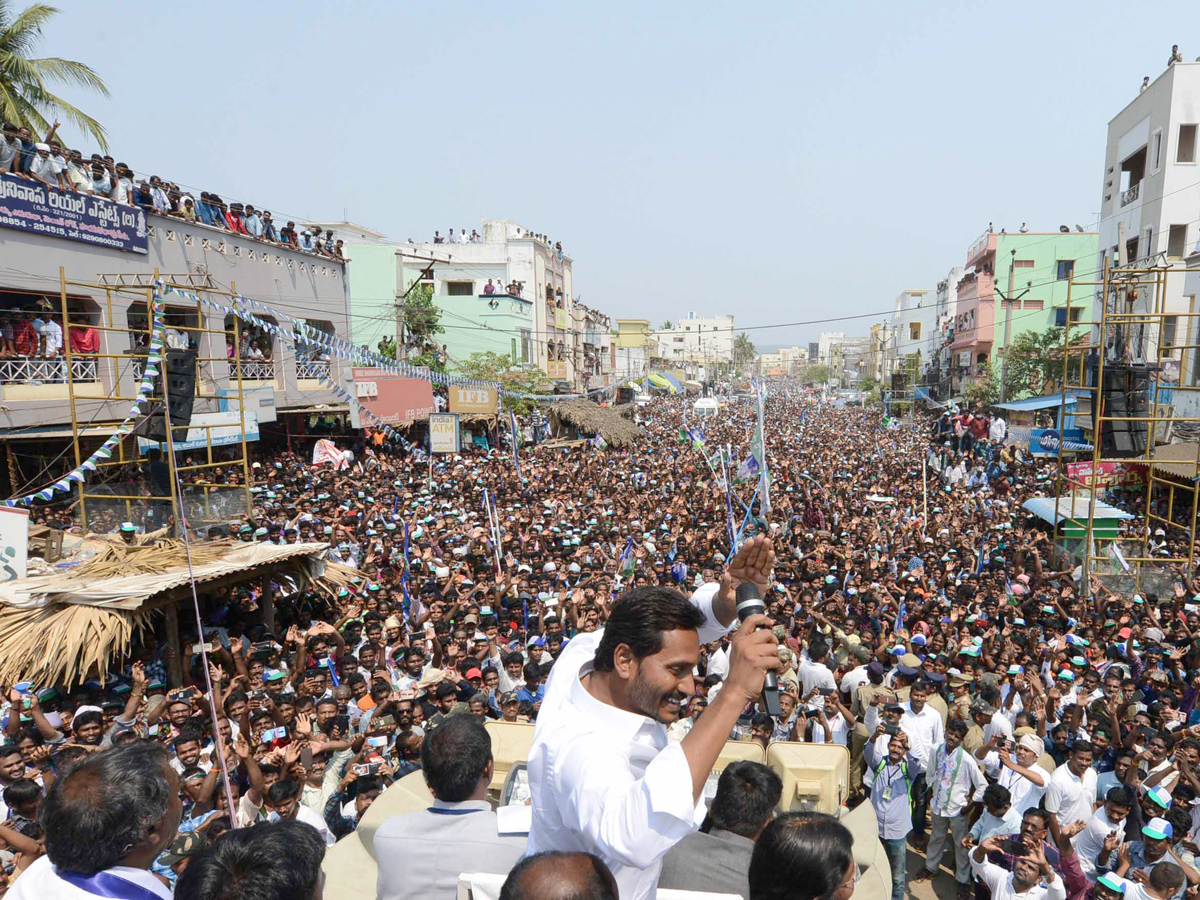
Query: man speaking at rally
[[603, 776]]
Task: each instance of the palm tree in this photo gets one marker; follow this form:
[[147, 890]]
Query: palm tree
[[25, 97], [743, 349]]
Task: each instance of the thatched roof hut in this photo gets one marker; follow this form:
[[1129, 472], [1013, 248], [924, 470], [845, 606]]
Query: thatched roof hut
[[59, 627], [582, 418]]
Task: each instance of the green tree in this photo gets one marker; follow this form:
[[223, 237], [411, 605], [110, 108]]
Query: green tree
[[422, 319], [1034, 361], [984, 389], [487, 365], [743, 350], [25, 96], [817, 374], [430, 359], [666, 325], [387, 347]]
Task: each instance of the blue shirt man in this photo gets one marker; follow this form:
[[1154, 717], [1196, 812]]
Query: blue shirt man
[[890, 780]]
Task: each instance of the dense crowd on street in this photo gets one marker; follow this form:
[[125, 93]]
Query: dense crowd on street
[[1036, 735]]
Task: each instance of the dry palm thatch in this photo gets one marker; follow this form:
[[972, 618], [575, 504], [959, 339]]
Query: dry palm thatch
[[589, 418], [64, 644], [149, 559]]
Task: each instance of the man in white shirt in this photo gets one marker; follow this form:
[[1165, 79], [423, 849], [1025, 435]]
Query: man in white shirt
[[106, 821], [603, 776], [1104, 832], [1072, 792], [1025, 779], [1032, 878], [814, 674], [954, 782]]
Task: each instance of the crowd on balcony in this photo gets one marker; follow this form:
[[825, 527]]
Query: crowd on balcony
[[58, 169]]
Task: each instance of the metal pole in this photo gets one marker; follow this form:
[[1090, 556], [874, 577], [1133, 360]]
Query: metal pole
[[66, 330], [1008, 305], [925, 495]]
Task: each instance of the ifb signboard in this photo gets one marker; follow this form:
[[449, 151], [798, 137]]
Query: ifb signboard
[[443, 432], [477, 401]]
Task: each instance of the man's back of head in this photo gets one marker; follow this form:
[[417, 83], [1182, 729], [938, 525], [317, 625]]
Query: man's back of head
[[747, 793], [276, 861], [117, 807], [560, 875], [456, 757]]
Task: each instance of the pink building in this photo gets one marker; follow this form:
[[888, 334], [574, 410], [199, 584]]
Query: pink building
[[974, 324]]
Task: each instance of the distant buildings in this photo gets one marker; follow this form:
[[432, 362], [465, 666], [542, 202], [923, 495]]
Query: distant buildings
[[510, 292], [697, 340]]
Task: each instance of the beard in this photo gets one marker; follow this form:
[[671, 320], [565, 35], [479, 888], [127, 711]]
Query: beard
[[648, 701]]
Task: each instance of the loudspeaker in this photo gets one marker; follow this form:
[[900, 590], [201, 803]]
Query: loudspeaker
[[179, 370], [1126, 392], [624, 395]]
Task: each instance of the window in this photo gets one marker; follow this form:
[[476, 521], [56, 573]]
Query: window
[[1177, 242], [460, 288], [1168, 332], [1148, 241], [525, 345], [1076, 314], [1034, 304], [1185, 151], [914, 331], [514, 350], [1060, 317], [1023, 264], [1064, 269], [1157, 154]]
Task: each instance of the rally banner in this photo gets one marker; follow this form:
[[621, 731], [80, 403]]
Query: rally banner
[[31, 206]]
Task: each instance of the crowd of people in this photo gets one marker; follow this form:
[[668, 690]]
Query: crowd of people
[[57, 168], [1034, 733]]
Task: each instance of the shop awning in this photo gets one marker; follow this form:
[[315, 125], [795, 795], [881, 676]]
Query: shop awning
[[1047, 402], [1066, 509]]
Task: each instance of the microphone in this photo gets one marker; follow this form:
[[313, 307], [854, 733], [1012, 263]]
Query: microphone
[[749, 603]]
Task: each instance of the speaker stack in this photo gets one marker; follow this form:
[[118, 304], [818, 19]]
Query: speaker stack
[[1125, 394], [179, 372]]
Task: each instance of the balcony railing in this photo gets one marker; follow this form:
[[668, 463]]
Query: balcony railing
[[255, 369], [1130, 195], [25, 370], [312, 368]]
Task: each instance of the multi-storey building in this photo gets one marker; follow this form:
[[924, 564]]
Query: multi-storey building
[[120, 250]]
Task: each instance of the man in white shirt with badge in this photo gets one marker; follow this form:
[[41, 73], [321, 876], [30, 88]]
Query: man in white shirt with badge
[[954, 782], [603, 776]]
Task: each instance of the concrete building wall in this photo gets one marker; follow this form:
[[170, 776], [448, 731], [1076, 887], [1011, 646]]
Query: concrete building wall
[[293, 283]]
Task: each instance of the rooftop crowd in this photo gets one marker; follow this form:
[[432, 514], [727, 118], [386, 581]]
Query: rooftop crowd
[[58, 168], [1034, 734]]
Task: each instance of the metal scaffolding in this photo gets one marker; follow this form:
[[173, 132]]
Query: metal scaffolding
[[205, 501], [1137, 338]]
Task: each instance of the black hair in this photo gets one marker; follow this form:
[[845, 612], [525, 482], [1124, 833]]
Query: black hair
[[282, 791], [88, 717], [23, 790], [996, 795], [800, 856], [104, 806], [1039, 813], [746, 793], [761, 719], [1082, 745], [454, 757], [597, 881], [639, 620], [187, 734], [532, 672], [1166, 877], [1120, 796], [271, 861], [7, 750], [958, 726]]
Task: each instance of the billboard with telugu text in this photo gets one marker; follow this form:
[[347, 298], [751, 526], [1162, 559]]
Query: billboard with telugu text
[[32, 207], [391, 399]]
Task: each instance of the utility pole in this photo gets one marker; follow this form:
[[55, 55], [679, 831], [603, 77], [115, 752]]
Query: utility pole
[[1008, 302], [401, 343]]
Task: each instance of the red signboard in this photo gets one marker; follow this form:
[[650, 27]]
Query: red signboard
[[391, 398], [1109, 475]]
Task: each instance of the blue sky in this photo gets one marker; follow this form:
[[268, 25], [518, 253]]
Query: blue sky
[[781, 162]]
